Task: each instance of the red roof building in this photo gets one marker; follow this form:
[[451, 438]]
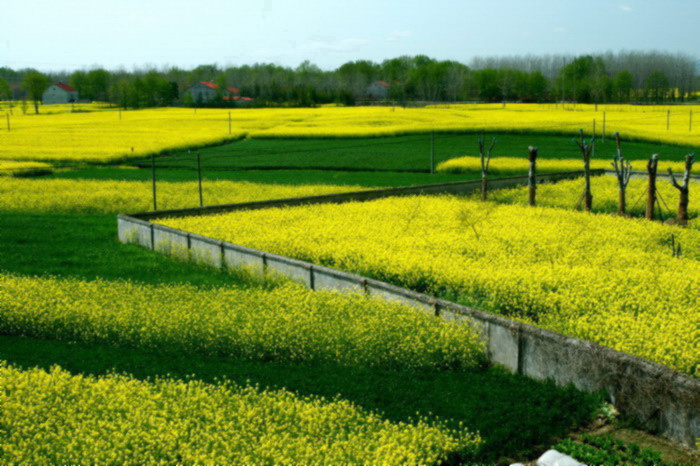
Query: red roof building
[[60, 93], [67, 87], [207, 91]]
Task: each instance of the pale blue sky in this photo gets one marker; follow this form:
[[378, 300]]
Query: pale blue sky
[[73, 34]]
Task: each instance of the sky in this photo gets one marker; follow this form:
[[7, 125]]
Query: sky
[[83, 34]]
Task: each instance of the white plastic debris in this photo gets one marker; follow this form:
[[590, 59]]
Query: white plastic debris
[[555, 458]]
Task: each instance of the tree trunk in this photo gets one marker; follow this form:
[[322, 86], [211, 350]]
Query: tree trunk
[[588, 197], [622, 204], [483, 187], [685, 191], [683, 207], [532, 176], [651, 189]]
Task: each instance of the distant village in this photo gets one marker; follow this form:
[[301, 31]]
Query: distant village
[[203, 92], [625, 77], [200, 93]]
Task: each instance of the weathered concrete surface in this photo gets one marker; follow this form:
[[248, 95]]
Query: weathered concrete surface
[[243, 258], [170, 242], [296, 270], [325, 278], [206, 251]]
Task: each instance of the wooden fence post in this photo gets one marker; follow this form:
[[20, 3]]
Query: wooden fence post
[[651, 189], [532, 175]]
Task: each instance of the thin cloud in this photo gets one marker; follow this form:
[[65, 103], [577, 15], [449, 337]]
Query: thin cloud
[[397, 36], [559, 30], [625, 8], [336, 46]]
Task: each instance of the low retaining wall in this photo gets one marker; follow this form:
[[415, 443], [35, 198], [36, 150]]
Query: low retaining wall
[[661, 400]]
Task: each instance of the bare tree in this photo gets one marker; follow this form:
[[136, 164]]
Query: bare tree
[[623, 171], [586, 150], [485, 160], [684, 189]]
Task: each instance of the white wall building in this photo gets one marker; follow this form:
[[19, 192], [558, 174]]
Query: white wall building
[[378, 90], [203, 91], [60, 94]]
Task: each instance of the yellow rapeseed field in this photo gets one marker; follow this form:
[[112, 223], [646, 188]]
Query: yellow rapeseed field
[[53, 417], [114, 197], [101, 136], [287, 323], [9, 168], [607, 279]]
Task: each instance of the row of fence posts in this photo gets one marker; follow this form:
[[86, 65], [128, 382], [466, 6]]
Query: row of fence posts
[[623, 172]]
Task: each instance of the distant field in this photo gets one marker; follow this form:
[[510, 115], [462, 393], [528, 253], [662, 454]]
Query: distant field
[[410, 153], [101, 136]]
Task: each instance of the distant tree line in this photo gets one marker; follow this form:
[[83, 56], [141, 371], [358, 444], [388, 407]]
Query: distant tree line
[[634, 77]]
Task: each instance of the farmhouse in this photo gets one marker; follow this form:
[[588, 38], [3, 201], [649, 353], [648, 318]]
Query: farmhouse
[[60, 94], [207, 91], [17, 93], [378, 90]]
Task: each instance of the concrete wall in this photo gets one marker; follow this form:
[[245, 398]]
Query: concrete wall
[[660, 399]]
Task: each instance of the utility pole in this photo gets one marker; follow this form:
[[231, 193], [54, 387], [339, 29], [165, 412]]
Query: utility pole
[[153, 171], [432, 152], [603, 125], [199, 177], [229, 122]]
